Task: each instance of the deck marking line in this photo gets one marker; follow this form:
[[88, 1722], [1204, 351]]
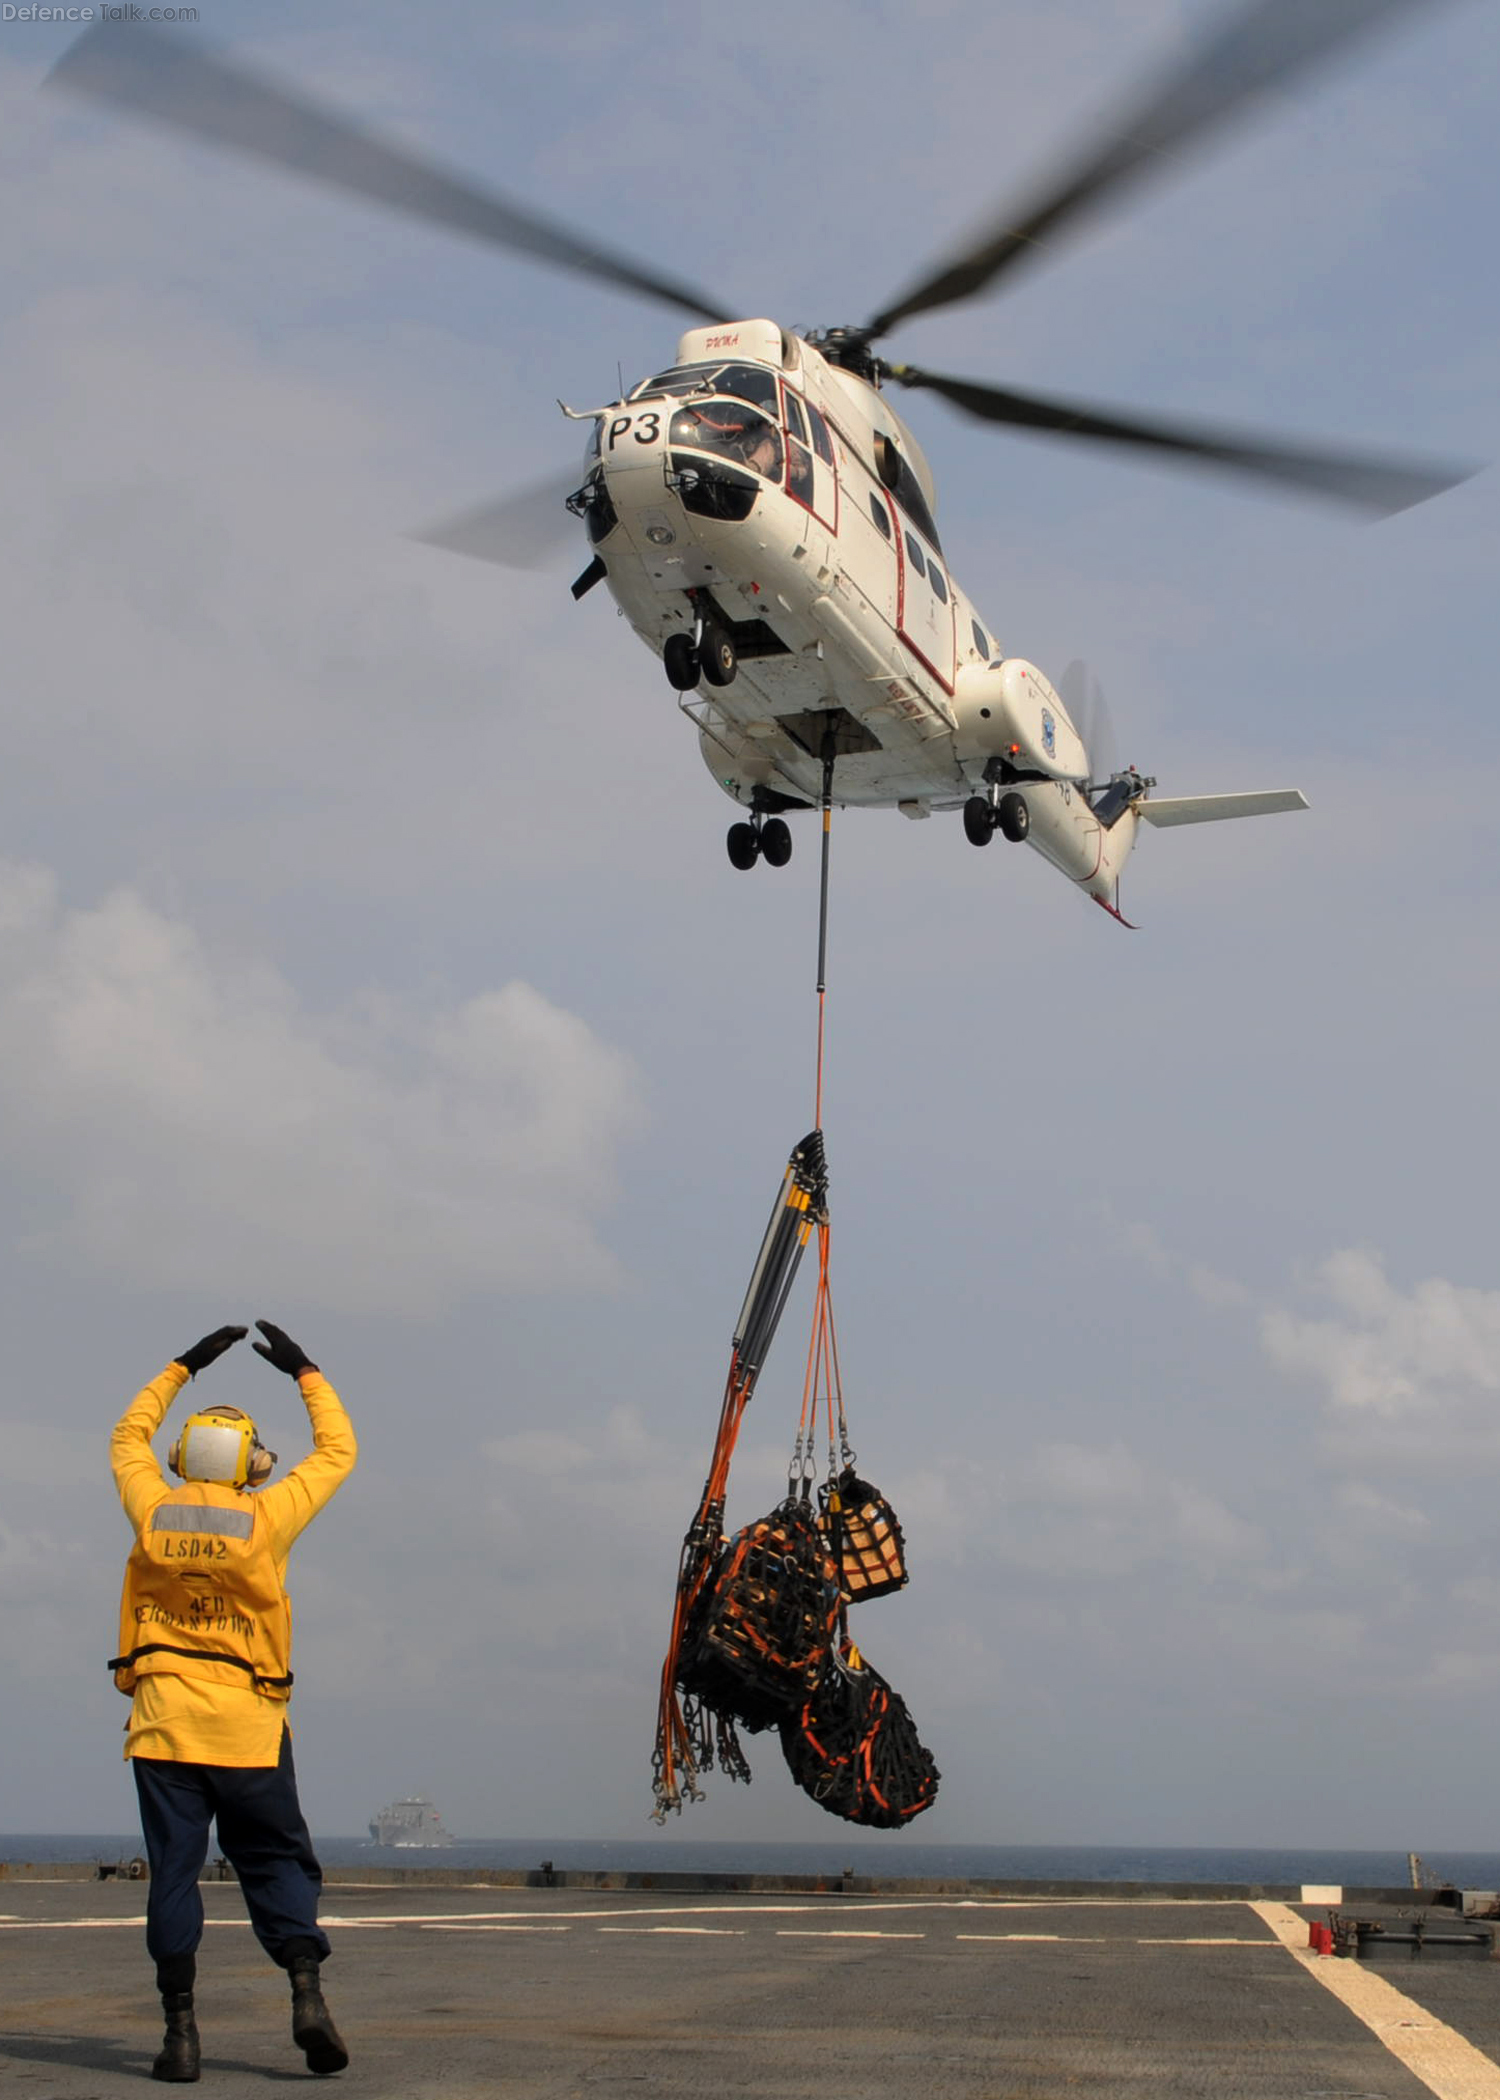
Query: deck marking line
[[1071, 1939], [1446, 2063], [462, 1925], [598, 1910], [785, 1932], [727, 1932]]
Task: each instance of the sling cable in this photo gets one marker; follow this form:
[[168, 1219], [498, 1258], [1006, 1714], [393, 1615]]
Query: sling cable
[[760, 1635]]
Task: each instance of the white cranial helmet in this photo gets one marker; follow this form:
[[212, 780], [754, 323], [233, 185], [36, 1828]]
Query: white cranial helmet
[[221, 1445]]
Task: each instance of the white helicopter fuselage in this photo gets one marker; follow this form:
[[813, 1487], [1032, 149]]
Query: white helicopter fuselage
[[798, 522]]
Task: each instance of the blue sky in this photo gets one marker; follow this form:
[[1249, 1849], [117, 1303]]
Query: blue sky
[[369, 958]]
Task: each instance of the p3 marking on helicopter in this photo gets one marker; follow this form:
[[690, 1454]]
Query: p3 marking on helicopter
[[765, 520]]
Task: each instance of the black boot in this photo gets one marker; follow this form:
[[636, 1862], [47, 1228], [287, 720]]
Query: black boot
[[312, 2024], [179, 2059]]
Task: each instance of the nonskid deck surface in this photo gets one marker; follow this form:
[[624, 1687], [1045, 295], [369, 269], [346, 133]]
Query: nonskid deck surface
[[450, 1991]]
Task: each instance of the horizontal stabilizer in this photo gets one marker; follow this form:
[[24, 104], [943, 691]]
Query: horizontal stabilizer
[[1208, 809]]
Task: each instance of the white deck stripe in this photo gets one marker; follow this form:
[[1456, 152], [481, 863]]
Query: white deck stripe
[[1085, 1939], [1432, 2051], [785, 1932]]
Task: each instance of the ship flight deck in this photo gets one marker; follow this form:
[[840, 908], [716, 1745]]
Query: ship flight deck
[[449, 1990]]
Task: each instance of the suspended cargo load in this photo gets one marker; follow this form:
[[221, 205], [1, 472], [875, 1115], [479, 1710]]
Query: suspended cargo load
[[759, 1634], [854, 1747]]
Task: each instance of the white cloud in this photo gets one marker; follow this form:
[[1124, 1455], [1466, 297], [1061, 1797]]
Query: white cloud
[[1366, 1510], [1116, 1514], [1388, 1353], [189, 1120]]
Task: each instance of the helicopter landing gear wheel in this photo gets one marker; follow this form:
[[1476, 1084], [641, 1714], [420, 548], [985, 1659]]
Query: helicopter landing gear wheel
[[716, 655], [776, 841], [743, 845], [979, 820], [1013, 817], [680, 661]]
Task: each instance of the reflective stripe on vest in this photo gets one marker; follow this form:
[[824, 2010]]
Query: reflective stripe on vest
[[173, 1516]]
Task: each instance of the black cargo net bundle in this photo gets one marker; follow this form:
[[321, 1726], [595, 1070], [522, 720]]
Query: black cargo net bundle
[[759, 1630], [760, 1638], [864, 1536], [854, 1748]]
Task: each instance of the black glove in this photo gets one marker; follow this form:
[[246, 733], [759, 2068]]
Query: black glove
[[280, 1351], [203, 1353]]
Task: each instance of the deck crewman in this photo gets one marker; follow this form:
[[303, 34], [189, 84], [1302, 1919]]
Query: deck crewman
[[205, 1657]]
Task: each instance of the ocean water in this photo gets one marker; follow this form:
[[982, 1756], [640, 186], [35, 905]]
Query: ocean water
[[894, 1858]]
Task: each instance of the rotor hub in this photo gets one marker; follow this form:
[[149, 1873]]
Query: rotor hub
[[849, 349]]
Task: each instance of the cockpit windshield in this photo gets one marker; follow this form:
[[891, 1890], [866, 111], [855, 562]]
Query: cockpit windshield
[[745, 382], [732, 430]]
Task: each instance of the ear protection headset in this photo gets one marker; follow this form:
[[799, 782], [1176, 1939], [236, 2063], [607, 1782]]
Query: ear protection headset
[[221, 1445]]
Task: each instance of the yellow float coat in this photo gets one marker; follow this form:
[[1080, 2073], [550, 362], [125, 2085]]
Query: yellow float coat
[[200, 1580]]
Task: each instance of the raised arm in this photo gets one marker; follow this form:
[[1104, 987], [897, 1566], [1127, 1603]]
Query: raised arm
[[292, 1503], [138, 1475]]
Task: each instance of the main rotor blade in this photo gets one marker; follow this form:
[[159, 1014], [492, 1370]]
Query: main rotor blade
[[159, 76], [1383, 486], [1256, 49], [522, 531]]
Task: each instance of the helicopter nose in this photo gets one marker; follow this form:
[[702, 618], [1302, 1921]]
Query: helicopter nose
[[632, 437]]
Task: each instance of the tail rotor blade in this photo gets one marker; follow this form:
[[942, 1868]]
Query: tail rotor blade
[[1083, 696]]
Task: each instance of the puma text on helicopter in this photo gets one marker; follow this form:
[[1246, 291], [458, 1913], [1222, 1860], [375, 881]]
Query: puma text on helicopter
[[764, 519]]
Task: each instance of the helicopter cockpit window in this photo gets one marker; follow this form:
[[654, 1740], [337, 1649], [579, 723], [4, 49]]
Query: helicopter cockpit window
[[822, 442], [744, 382], [734, 431], [795, 422]]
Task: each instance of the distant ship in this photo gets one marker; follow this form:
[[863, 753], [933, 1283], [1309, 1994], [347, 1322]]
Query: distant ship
[[413, 1822]]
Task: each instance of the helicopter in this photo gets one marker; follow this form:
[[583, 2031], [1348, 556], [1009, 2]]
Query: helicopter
[[765, 520]]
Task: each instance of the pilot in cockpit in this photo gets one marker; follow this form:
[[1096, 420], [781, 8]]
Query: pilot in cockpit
[[732, 431], [762, 450]]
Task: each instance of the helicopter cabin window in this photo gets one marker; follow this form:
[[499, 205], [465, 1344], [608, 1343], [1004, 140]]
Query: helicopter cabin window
[[981, 641], [822, 442], [908, 494], [914, 556], [734, 431], [880, 514], [938, 581]]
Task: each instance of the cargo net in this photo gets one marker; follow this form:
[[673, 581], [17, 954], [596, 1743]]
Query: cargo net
[[854, 1748], [864, 1537], [759, 1630], [761, 1639]]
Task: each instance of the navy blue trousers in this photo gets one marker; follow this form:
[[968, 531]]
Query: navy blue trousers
[[262, 1834]]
